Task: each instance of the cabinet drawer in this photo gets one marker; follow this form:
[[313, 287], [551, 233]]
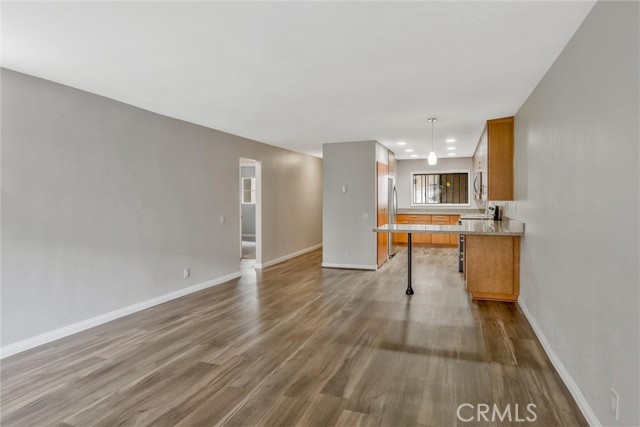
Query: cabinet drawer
[[422, 219], [440, 218]]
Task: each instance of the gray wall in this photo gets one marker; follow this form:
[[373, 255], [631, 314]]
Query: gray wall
[[577, 189], [104, 204], [248, 211], [404, 185], [348, 239]]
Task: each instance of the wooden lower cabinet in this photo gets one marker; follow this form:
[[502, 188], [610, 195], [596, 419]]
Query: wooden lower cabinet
[[440, 239], [453, 237], [423, 238], [398, 237], [492, 267]]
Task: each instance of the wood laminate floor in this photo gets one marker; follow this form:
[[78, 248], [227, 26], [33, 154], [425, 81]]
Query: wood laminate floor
[[248, 249], [296, 344]]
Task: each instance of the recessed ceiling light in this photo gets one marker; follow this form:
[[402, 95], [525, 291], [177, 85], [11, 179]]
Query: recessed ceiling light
[[409, 150], [402, 143], [451, 148], [414, 155], [450, 140], [452, 154]]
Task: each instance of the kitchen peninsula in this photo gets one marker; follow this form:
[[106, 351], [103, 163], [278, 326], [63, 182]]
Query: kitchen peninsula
[[492, 254]]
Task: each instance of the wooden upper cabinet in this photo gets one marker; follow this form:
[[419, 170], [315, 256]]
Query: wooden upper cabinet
[[392, 164], [500, 159], [494, 158]]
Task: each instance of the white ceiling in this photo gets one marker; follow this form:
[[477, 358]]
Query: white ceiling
[[297, 75]]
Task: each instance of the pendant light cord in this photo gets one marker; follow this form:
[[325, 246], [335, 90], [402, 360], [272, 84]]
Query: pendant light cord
[[432, 119]]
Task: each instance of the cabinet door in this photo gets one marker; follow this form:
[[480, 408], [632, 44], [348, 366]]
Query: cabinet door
[[401, 237], [500, 159], [440, 239], [392, 164], [453, 237], [422, 237], [489, 264]]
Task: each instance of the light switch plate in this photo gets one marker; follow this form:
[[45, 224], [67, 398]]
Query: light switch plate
[[365, 215], [344, 188], [615, 404]]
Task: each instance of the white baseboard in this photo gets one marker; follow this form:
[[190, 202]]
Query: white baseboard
[[47, 337], [349, 266], [288, 256], [562, 371]]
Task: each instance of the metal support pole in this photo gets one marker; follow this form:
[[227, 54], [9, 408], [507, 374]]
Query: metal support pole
[[409, 288]]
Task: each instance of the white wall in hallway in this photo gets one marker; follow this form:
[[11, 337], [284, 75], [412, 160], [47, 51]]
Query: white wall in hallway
[[577, 189]]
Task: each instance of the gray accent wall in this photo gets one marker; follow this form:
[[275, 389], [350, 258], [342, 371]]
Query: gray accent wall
[[577, 189], [248, 210], [104, 204]]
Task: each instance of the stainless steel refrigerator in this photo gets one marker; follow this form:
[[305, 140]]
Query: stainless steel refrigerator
[[393, 214]]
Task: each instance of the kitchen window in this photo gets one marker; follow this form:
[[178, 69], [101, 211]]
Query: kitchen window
[[442, 188], [248, 191]]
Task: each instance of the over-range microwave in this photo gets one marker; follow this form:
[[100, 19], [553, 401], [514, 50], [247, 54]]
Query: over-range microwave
[[477, 186]]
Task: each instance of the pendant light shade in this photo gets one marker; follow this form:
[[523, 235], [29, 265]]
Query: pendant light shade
[[432, 159]]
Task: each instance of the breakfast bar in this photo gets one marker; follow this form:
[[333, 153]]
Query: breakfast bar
[[472, 227]]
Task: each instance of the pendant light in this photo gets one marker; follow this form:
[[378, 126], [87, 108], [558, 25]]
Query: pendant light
[[432, 159]]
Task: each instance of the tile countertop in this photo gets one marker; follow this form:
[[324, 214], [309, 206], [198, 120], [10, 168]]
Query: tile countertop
[[505, 227], [440, 211]]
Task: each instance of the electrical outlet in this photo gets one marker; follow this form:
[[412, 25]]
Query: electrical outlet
[[365, 215], [187, 272], [344, 188], [346, 252], [221, 219], [615, 404]]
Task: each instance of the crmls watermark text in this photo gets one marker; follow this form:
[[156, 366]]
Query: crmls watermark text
[[468, 412]]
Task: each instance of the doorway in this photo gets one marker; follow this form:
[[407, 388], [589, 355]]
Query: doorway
[[250, 213]]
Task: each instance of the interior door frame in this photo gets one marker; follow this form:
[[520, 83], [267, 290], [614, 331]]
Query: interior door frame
[[258, 176]]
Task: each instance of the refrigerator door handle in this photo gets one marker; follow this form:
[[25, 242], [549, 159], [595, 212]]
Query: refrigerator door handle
[[395, 203]]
